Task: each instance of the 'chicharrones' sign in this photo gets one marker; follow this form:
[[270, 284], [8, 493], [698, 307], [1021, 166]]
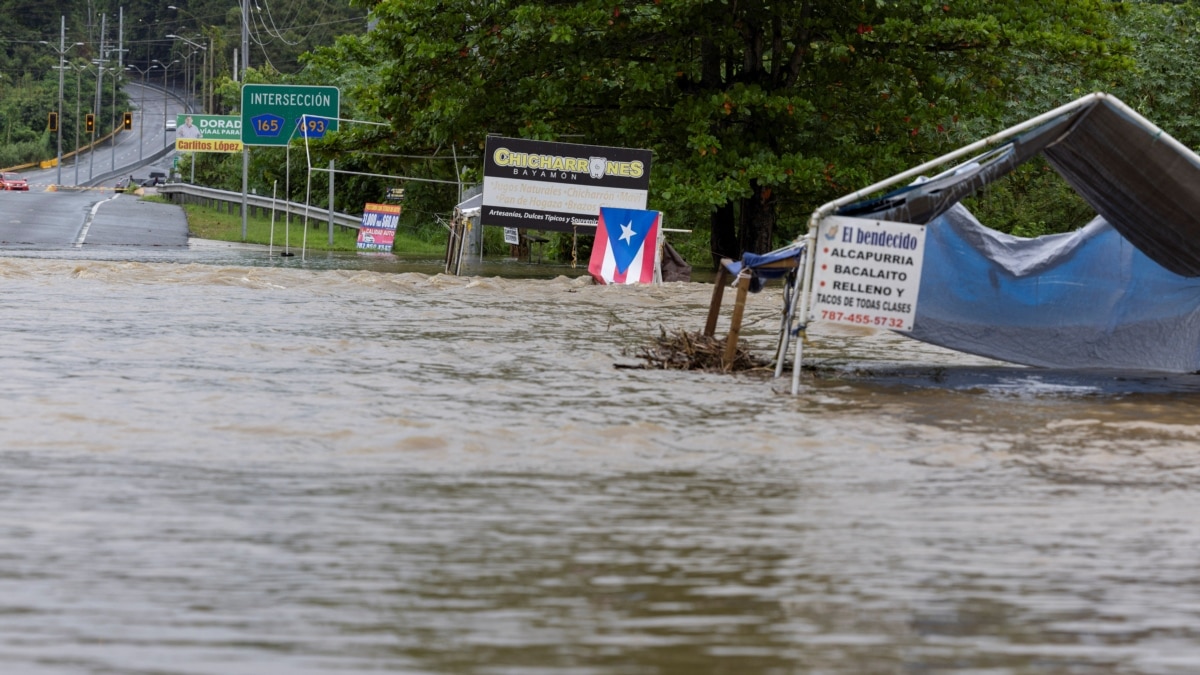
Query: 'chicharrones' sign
[[543, 185]]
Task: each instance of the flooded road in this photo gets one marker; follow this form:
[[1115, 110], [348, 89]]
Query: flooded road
[[228, 466]]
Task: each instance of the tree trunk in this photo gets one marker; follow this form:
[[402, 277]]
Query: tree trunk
[[757, 222], [723, 239]]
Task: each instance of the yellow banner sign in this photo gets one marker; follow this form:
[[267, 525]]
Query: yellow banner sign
[[207, 145]]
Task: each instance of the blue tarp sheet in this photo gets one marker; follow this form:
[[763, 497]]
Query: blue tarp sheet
[[1087, 299]]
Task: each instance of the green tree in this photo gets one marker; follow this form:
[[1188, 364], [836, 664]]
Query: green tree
[[756, 111], [1164, 85]]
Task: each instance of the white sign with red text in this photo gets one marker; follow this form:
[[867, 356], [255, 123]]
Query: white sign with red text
[[868, 272]]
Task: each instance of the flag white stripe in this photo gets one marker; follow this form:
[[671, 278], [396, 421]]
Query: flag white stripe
[[633, 275], [608, 268]]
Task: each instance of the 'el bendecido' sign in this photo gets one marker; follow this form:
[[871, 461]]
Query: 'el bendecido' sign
[[868, 272], [543, 185]]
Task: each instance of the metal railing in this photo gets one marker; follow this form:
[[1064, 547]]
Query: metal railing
[[195, 194]]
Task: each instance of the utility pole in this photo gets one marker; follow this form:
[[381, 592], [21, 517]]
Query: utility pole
[[62, 66], [116, 76], [112, 143], [245, 38], [245, 149], [62, 49], [99, 80]]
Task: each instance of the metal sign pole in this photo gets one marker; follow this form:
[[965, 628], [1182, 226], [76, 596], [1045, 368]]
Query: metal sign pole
[[245, 186], [331, 203]]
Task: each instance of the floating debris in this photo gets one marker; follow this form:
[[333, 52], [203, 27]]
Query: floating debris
[[683, 350]]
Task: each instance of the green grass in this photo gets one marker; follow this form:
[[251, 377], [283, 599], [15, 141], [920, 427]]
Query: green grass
[[207, 223]]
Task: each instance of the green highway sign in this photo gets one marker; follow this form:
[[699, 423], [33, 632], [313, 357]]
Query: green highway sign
[[272, 114]]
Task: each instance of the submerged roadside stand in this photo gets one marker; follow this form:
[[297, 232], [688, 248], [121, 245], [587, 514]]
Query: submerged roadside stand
[[1121, 293], [749, 275], [463, 224]]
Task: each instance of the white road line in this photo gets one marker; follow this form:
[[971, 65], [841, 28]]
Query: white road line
[[87, 223]]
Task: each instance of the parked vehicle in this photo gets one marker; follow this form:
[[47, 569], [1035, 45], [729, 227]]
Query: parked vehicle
[[158, 177], [13, 181]]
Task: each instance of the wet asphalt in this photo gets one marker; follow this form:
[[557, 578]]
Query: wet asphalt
[[126, 220]]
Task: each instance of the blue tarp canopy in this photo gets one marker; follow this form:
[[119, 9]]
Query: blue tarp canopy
[[760, 265], [1123, 292]]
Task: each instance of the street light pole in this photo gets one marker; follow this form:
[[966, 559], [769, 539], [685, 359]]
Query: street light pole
[[62, 50], [79, 70], [192, 79], [113, 121], [99, 89], [187, 81], [141, 108], [166, 67], [205, 96]]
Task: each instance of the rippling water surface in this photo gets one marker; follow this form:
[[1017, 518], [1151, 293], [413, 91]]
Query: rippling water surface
[[232, 467]]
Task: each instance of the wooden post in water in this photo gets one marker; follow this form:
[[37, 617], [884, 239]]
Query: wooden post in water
[[735, 324], [714, 307]]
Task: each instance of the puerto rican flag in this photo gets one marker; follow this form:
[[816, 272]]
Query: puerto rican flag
[[626, 247]]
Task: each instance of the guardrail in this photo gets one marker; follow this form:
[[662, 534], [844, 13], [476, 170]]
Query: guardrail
[[195, 194]]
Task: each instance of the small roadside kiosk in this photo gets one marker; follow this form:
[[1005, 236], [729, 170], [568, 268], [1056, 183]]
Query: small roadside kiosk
[[1121, 293], [463, 223]]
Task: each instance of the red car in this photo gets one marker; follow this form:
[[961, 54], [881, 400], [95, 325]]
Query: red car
[[13, 181]]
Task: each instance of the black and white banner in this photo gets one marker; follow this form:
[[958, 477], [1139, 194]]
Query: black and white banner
[[543, 185]]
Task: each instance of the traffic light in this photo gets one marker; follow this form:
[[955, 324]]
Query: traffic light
[[127, 121], [53, 121], [89, 123]]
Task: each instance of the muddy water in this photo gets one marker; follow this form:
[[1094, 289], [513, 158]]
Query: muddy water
[[218, 468]]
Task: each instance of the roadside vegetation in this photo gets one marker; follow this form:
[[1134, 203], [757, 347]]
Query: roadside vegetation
[[208, 223]]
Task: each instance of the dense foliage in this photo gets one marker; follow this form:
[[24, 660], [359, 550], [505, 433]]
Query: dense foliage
[[134, 44], [757, 111]]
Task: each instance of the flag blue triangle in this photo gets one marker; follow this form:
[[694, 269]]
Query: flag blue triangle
[[627, 230]]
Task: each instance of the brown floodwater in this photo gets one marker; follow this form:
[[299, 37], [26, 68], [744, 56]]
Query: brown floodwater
[[231, 466]]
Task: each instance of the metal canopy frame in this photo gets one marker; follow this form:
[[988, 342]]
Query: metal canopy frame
[[798, 313]]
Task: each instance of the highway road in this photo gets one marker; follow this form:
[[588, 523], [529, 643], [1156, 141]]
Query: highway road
[[126, 150], [68, 218], [81, 209]]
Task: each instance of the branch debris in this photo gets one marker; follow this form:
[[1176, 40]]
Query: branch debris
[[682, 350]]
